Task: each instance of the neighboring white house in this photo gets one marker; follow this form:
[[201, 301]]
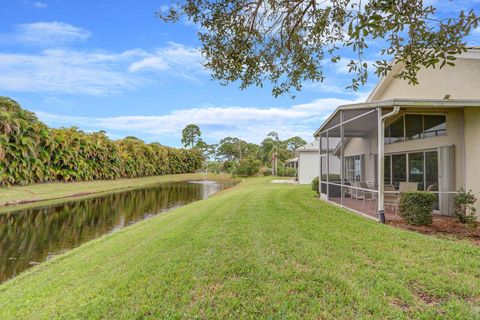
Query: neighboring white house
[[308, 161], [426, 135]]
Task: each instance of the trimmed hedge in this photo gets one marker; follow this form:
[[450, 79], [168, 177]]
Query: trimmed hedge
[[31, 152], [416, 207]]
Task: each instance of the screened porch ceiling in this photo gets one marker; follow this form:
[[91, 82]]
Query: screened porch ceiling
[[358, 123]]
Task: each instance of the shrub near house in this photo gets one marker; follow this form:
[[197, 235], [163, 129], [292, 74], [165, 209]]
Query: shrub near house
[[464, 204], [416, 207]]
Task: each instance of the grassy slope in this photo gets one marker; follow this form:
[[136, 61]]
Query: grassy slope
[[48, 191], [257, 250]]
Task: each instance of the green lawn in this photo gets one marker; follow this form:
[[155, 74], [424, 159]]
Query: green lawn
[[258, 250], [59, 190]]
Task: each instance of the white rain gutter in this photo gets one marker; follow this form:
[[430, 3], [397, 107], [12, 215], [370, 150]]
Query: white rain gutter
[[381, 163]]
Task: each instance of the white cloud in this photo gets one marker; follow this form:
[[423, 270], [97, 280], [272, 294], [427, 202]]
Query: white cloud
[[45, 34], [249, 123], [68, 71], [39, 4], [177, 59], [64, 71]]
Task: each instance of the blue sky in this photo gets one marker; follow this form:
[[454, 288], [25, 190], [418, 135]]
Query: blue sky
[[112, 65]]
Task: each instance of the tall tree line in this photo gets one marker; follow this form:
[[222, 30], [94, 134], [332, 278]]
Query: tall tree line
[[32, 152], [229, 151]]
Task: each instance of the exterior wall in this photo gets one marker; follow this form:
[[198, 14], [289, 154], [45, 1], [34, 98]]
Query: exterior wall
[[460, 82], [309, 166], [472, 151]]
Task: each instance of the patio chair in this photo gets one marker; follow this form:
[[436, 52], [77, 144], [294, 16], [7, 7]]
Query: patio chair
[[369, 196], [408, 186], [371, 185], [355, 193], [348, 190], [391, 199]]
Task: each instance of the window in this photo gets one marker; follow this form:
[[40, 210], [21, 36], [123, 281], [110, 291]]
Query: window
[[388, 169], [399, 169], [416, 126], [431, 174], [435, 126], [416, 170], [395, 132], [413, 126], [422, 168], [353, 168]]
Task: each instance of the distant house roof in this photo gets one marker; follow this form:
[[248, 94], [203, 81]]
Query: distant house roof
[[293, 160], [314, 146]]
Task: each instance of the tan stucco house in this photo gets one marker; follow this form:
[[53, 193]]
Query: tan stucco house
[[429, 135]]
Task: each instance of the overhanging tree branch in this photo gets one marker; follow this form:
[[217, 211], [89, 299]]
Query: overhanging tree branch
[[286, 42]]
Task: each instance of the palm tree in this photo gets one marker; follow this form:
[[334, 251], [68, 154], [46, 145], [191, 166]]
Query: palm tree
[[271, 148]]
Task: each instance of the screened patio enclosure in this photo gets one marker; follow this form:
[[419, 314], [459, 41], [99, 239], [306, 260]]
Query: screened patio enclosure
[[371, 178]]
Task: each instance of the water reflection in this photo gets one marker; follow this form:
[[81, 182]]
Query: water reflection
[[32, 235]]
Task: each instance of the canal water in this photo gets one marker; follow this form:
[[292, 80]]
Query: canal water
[[33, 235]]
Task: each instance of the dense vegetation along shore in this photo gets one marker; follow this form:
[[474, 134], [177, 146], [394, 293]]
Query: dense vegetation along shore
[[32, 152], [256, 250], [59, 190]]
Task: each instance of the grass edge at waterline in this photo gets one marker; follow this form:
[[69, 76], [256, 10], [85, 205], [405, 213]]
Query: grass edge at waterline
[[20, 197]]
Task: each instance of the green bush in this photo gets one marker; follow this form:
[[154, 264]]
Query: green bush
[[31, 152], [286, 172], [315, 185], [267, 172], [228, 166], [247, 167], [464, 205], [289, 172], [331, 177], [416, 207], [213, 167]]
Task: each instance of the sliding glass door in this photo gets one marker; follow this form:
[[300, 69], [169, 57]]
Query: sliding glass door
[[416, 169], [431, 172], [420, 167], [399, 169]]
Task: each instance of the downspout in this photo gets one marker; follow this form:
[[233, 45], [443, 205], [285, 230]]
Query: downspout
[[381, 163]]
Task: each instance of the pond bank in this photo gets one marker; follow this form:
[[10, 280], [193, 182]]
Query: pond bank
[[33, 235], [25, 196]]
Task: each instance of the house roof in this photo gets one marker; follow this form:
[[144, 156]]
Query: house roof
[[404, 103], [473, 52], [293, 160]]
